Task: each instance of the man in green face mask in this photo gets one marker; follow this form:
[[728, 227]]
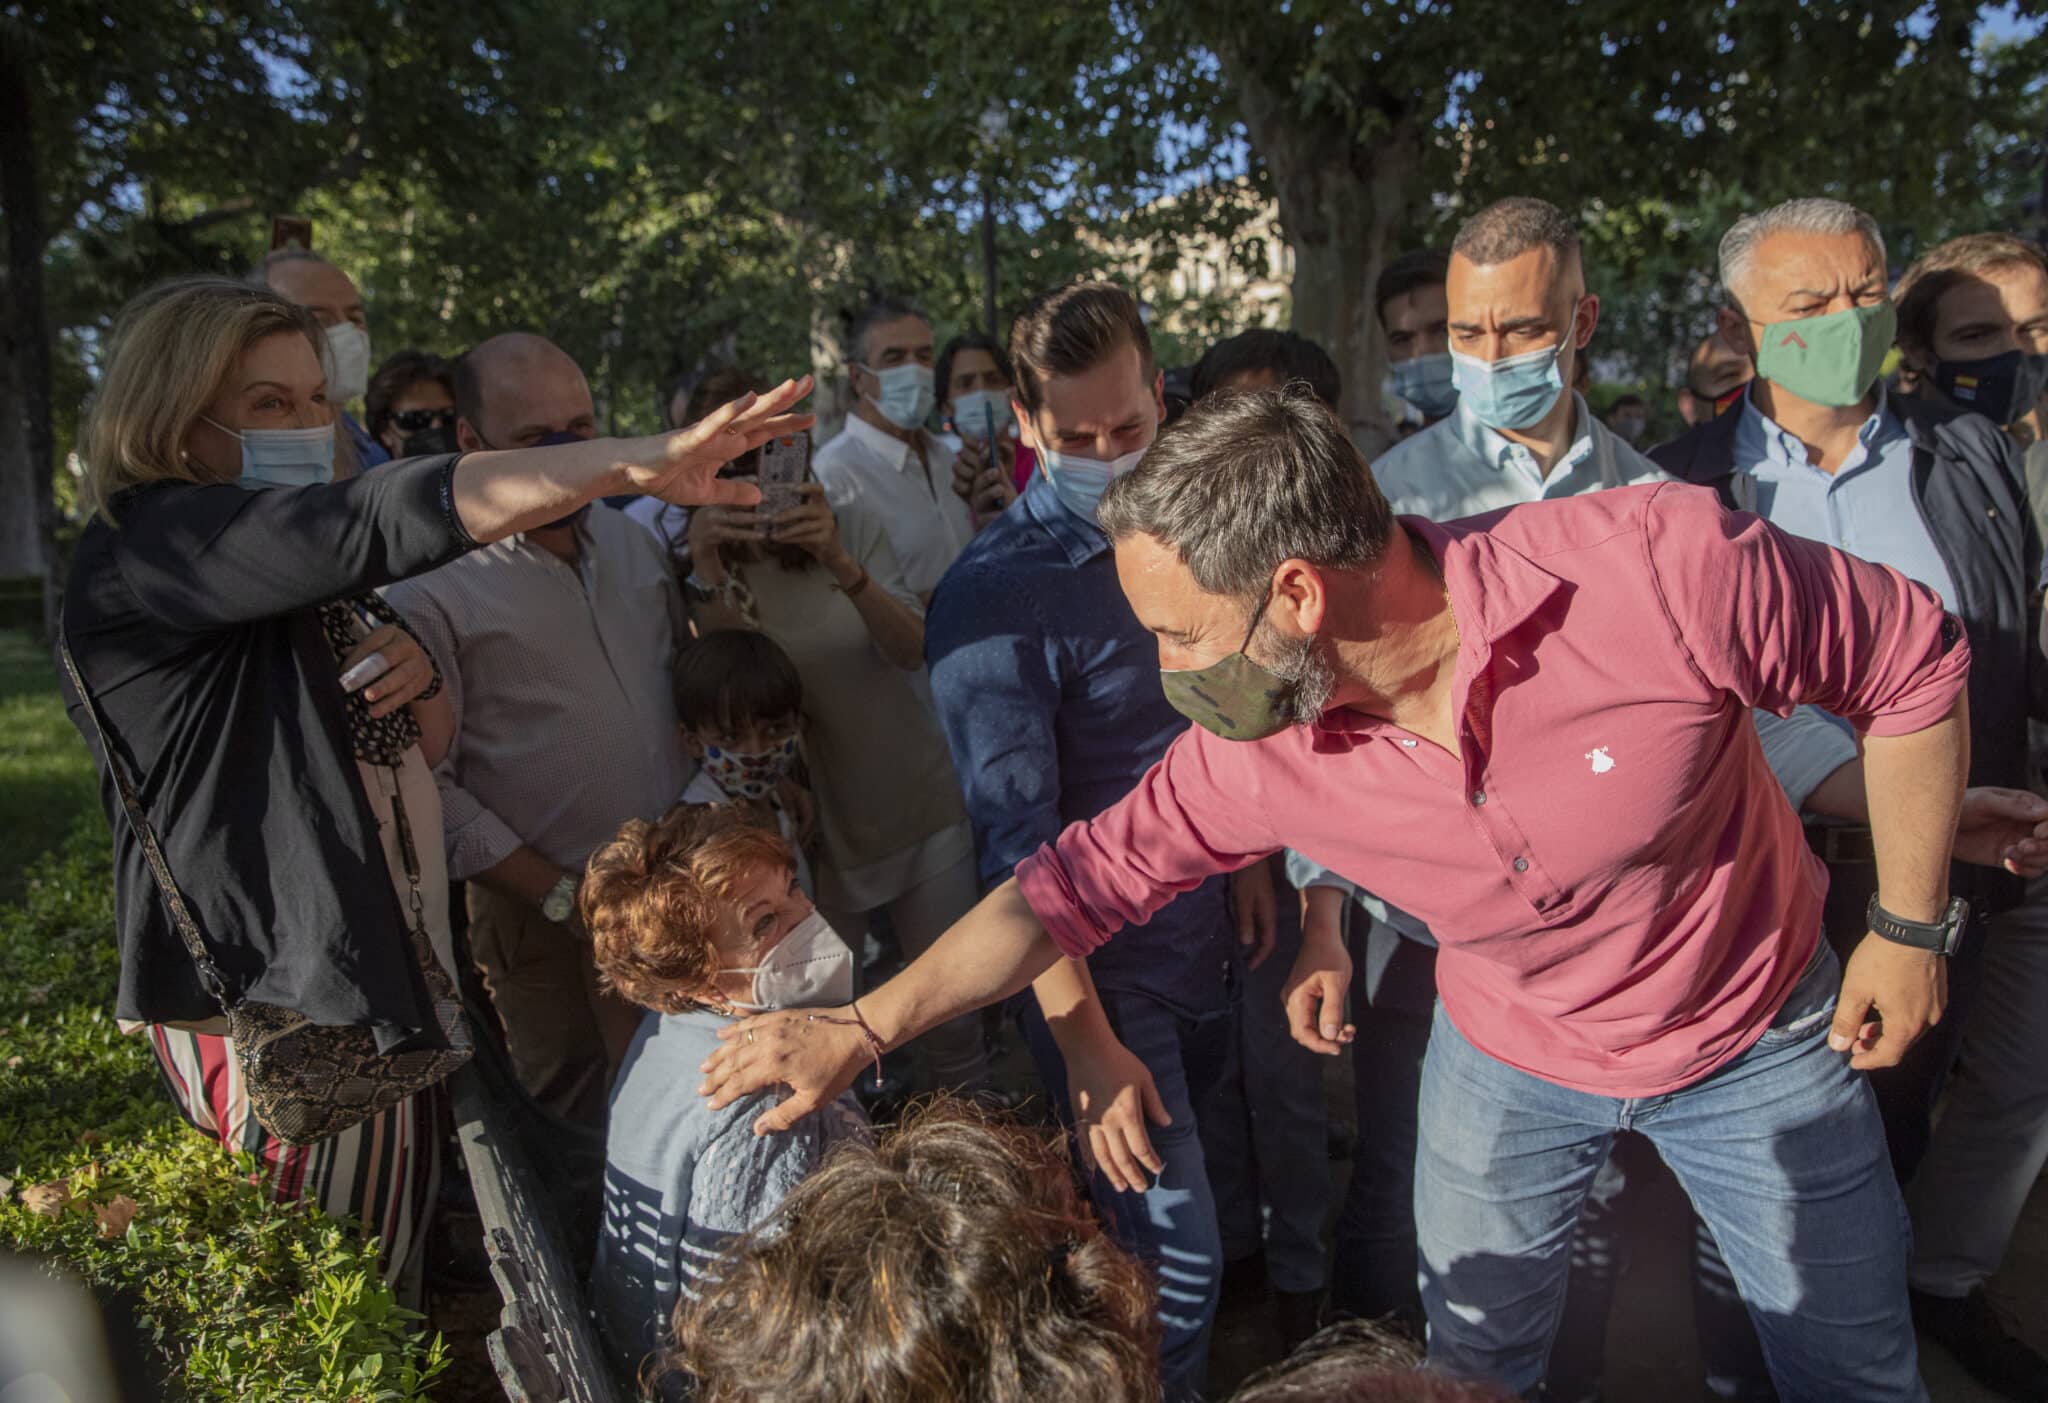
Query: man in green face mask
[[1821, 448]]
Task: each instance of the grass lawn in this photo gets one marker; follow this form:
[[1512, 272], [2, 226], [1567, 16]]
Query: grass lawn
[[46, 777]]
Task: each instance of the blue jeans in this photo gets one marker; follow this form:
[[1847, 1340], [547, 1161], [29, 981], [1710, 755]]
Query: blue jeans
[[1172, 1226], [1265, 1130], [1781, 1151]]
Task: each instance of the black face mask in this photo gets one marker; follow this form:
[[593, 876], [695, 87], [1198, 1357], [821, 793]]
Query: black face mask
[[435, 438], [548, 442], [2000, 387]]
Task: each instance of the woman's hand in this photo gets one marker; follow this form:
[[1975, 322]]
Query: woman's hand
[[812, 526], [712, 527], [986, 486], [682, 467], [407, 669]]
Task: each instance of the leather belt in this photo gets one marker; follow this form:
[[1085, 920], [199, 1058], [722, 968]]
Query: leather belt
[[1833, 844]]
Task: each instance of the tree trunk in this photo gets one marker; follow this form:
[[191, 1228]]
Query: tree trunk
[[27, 436], [1342, 202]]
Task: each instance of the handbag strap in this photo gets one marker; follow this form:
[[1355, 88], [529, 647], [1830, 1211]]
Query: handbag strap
[[138, 822]]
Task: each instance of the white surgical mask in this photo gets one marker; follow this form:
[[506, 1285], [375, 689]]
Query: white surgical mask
[[348, 362], [284, 457], [982, 415], [810, 968], [1080, 482], [906, 398]]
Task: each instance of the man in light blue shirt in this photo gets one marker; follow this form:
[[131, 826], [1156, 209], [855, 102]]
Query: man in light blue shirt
[[1820, 448], [1864, 505]]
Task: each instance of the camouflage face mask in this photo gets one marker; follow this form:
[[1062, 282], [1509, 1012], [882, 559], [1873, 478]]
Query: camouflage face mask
[[1235, 697]]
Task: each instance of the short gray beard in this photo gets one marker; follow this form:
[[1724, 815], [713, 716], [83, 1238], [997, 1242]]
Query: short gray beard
[[1314, 677]]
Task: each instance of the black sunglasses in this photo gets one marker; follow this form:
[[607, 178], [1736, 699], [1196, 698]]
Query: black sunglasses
[[411, 421]]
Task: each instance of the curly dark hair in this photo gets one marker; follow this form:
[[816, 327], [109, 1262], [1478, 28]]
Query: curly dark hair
[[954, 1260]]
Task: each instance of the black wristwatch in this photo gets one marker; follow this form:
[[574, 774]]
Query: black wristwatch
[[1941, 937]]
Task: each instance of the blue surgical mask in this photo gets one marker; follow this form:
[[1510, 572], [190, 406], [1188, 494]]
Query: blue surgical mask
[[906, 398], [1426, 382], [284, 457], [982, 416], [1080, 482], [1515, 392]]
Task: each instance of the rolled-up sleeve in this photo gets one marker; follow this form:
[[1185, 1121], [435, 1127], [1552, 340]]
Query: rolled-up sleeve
[[1190, 817], [1777, 621]]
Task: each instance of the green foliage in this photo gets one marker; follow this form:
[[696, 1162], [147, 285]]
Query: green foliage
[[46, 776], [240, 1297]]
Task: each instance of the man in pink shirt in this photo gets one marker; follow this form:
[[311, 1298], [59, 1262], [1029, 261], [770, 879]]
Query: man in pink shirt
[[1532, 731]]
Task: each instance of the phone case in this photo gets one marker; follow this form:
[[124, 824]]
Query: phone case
[[785, 466]]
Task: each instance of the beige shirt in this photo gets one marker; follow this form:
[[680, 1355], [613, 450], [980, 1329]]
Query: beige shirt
[[565, 726], [889, 808]]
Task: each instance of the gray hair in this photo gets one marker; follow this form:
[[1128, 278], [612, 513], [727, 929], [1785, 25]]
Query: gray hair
[[1511, 227], [1246, 481], [1815, 214]]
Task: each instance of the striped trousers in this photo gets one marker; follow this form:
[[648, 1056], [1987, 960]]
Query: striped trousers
[[384, 1173]]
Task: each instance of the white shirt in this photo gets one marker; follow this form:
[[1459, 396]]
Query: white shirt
[[926, 522], [1458, 467]]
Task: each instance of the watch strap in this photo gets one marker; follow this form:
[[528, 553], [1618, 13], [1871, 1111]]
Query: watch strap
[[1941, 936]]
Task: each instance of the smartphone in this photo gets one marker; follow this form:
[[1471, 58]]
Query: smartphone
[[785, 467], [291, 231], [370, 668]]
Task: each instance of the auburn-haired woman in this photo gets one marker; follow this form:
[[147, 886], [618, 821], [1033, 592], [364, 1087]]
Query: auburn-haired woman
[[257, 702]]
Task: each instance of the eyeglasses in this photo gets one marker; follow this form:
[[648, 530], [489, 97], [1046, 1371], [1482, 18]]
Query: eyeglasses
[[411, 421]]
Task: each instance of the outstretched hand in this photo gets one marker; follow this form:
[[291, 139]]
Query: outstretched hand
[[682, 467], [816, 1053]]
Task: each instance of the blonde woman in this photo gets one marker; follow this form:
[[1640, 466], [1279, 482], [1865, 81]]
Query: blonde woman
[[260, 699]]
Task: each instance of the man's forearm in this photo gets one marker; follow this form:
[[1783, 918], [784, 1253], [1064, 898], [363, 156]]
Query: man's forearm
[[1914, 784], [522, 874], [990, 953], [1066, 996]]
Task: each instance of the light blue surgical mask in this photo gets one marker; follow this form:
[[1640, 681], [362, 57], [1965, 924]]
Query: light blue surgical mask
[[1080, 482], [982, 415], [284, 457], [1426, 382], [1517, 391], [906, 398]]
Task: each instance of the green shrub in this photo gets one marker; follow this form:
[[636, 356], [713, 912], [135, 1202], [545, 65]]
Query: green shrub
[[240, 1297]]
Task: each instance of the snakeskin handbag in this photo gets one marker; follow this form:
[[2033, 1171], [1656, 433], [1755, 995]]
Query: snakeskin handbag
[[305, 1080]]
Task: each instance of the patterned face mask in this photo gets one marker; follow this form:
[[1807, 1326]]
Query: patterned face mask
[[749, 774]]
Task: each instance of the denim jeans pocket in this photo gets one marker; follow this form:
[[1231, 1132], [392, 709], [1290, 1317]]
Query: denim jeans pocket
[[1810, 1007]]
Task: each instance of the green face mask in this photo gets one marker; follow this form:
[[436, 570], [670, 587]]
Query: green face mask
[[1831, 360], [1234, 697]]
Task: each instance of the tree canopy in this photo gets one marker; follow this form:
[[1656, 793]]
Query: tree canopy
[[662, 188]]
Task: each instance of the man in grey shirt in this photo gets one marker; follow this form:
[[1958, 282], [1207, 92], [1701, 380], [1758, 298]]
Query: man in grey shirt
[[555, 647]]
